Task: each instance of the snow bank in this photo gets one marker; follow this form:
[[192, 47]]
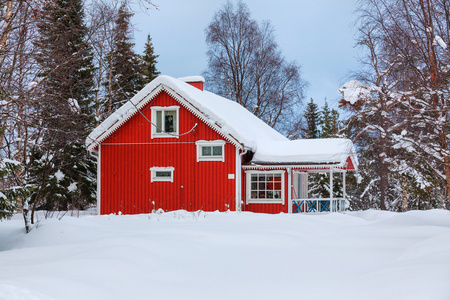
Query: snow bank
[[184, 255]]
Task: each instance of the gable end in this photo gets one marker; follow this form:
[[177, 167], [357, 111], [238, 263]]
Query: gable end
[[132, 109]]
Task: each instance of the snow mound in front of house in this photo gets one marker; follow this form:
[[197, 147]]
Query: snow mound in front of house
[[211, 255]]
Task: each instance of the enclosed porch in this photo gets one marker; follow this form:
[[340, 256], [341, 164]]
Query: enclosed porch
[[319, 190], [301, 176]]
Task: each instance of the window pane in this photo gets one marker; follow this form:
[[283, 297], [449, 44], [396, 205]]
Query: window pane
[[159, 121], [217, 150], [266, 186], [163, 174], [170, 120], [206, 151]]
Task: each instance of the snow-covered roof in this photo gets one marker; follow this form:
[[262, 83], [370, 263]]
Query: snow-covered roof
[[307, 151], [231, 119], [192, 79]]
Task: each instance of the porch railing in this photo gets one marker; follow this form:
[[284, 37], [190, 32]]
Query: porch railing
[[319, 205]]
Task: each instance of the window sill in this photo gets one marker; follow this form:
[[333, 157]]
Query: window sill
[[164, 135], [161, 180], [260, 201], [211, 159]]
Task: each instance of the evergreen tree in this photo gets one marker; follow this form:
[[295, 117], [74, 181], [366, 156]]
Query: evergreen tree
[[322, 124], [149, 71], [312, 121], [65, 107], [124, 78], [8, 194], [329, 122]]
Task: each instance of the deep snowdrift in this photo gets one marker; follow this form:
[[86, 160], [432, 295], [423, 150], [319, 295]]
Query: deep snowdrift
[[182, 255]]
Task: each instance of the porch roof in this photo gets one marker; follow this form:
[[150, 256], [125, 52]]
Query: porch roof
[[334, 151]]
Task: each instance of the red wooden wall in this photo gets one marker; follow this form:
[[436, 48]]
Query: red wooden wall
[[129, 153]]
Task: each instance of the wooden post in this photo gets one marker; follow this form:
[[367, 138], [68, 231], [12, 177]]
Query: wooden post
[[331, 189], [289, 202], [344, 191]]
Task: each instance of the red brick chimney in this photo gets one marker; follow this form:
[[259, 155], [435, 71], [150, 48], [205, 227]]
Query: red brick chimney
[[196, 81]]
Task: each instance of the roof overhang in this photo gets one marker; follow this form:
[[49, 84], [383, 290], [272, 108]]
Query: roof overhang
[[348, 165], [316, 167]]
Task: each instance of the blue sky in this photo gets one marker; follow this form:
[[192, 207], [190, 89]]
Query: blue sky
[[317, 34]]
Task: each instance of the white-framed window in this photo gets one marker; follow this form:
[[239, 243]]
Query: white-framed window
[[165, 121], [210, 150], [162, 174], [265, 186]]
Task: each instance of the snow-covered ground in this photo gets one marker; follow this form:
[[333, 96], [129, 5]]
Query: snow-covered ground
[[183, 255]]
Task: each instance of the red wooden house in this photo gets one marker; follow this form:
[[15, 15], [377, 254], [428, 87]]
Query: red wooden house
[[175, 146]]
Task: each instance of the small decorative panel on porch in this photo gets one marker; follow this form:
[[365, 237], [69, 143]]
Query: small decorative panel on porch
[[318, 205]]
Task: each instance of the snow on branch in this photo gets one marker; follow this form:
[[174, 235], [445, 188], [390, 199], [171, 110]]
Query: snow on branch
[[440, 42], [354, 91], [73, 105]]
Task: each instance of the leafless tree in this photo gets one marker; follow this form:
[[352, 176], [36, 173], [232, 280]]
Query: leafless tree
[[406, 89], [246, 65]]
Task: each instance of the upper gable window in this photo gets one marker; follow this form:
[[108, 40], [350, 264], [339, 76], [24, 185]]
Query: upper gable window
[[210, 150], [165, 121]]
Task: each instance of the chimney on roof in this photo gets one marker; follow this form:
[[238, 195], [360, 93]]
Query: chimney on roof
[[195, 81]]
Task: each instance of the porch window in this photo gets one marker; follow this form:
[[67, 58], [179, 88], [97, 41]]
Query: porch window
[[210, 150], [165, 121], [162, 174], [265, 187]]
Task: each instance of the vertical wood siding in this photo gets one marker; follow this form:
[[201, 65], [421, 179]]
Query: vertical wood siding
[[129, 153]]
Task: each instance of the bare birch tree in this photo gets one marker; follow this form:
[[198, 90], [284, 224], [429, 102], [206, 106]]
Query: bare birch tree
[[407, 85], [245, 64]]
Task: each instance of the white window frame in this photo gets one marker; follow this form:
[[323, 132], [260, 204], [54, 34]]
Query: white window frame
[[216, 143], [249, 199], [164, 134], [155, 178]]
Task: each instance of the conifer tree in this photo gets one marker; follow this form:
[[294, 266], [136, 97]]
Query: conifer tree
[[65, 107], [329, 122], [8, 202], [124, 75], [312, 121], [149, 71], [322, 124]]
